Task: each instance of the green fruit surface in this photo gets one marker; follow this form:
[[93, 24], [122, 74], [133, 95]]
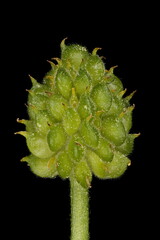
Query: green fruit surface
[[79, 120]]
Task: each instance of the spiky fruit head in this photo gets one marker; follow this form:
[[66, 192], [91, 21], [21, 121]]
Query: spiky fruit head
[[79, 121]]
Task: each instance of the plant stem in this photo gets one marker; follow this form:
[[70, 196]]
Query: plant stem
[[79, 211]]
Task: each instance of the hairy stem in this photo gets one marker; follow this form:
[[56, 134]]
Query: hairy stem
[[79, 211]]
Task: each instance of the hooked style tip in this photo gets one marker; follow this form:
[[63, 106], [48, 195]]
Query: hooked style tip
[[23, 121], [51, 63], [127, 110], [122, 92], [24, 159], [135, 135], [58, 60], [128, 98], [111, 69], [94, 52], [33, 80], [23, 133], [63, 45]]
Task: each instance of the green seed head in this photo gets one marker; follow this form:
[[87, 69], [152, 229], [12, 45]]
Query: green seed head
[[79, 121]]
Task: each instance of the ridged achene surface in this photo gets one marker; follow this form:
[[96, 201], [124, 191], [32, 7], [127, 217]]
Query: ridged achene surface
[[79, 119]]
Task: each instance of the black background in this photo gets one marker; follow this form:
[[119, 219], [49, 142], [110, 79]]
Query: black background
[[31, 35]]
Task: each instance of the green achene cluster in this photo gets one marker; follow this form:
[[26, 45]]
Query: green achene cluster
[[79, 119]]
